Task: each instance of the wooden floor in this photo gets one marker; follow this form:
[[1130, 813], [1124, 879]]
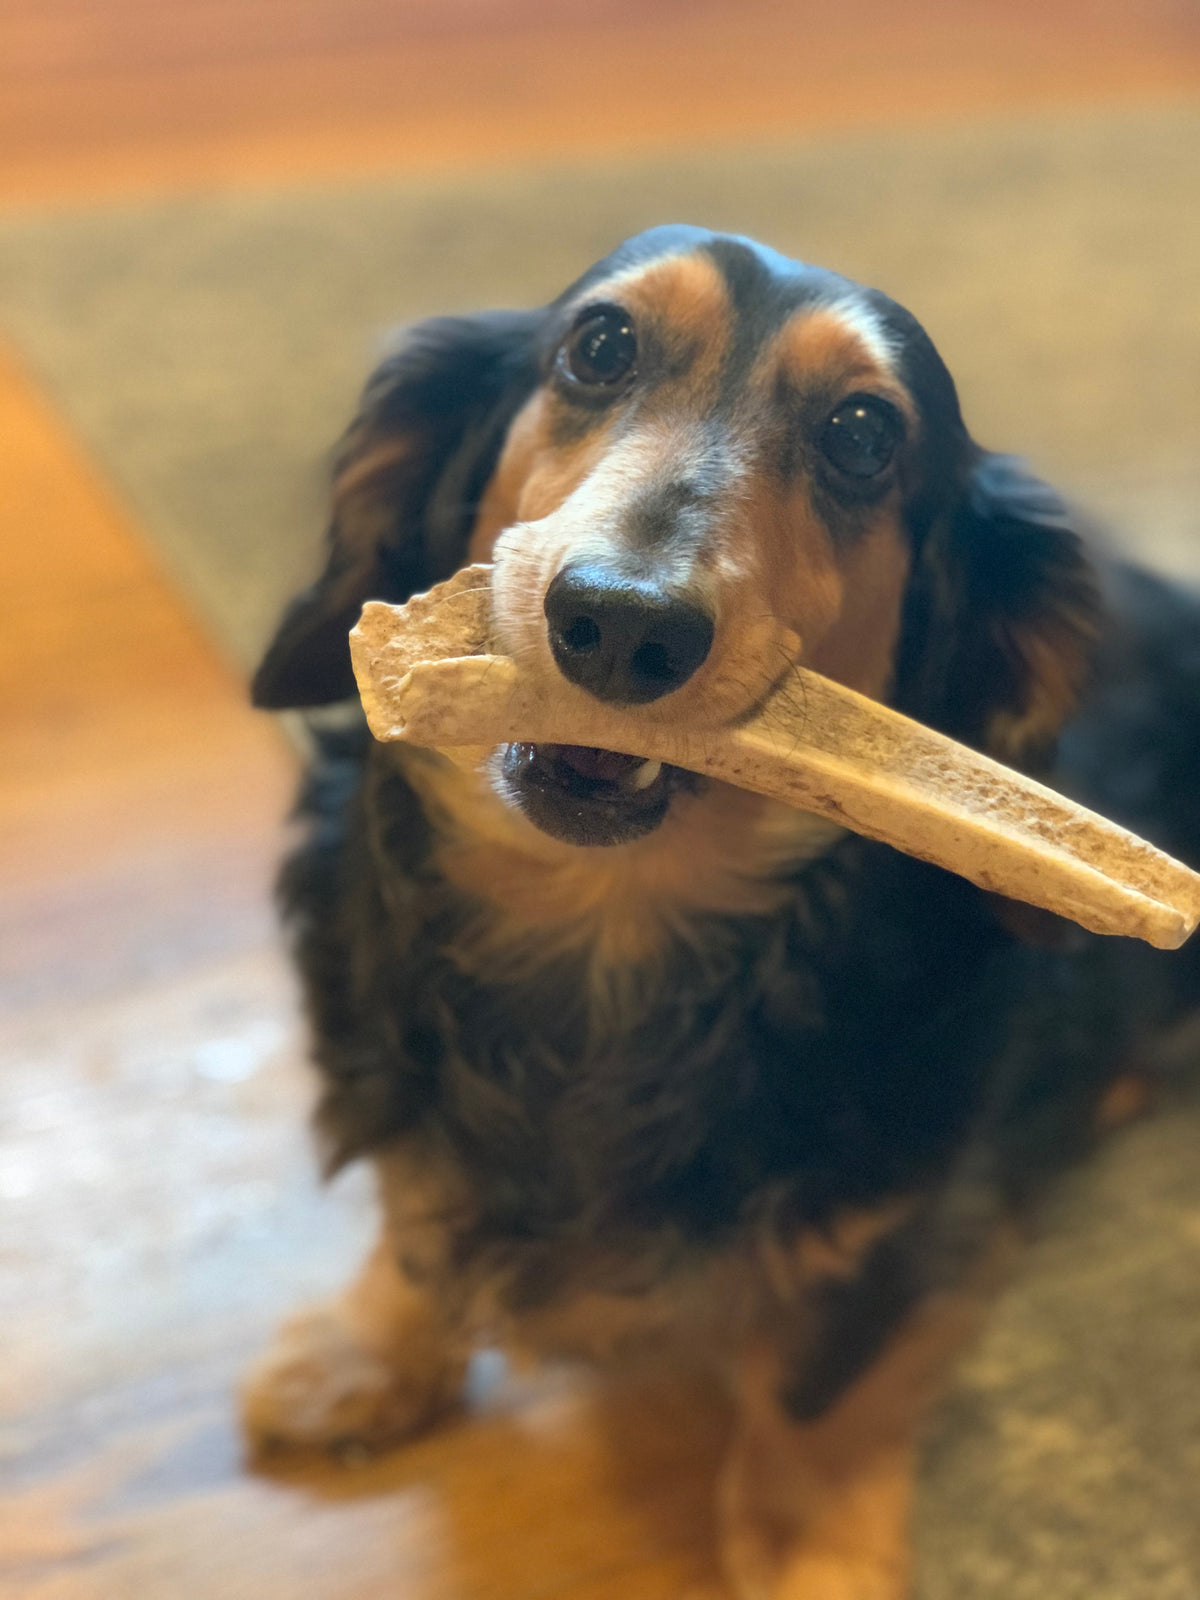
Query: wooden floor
[[99, 96], [157, 1205]]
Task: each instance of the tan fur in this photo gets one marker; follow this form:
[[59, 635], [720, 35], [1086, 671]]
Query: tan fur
[[833, 349], [715, 1310], [778, 585], [536, 472], [835, 352], [821, 1511], [362, 469], [364, 490], [719, 852], [781, 588], [1057, 665], [688, 302], [813, 1511], [860, 649], [366, 1369], [794, 1264], [1125, 1100], [389, 1354]]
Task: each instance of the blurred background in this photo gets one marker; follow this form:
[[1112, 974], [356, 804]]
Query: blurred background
[[210, 212]]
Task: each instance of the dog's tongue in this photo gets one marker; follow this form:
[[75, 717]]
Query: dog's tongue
[[589, 762]]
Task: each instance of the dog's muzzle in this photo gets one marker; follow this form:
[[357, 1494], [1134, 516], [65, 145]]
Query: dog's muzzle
[[626, 637]]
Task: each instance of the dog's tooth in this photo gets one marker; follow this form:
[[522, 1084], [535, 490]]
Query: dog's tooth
[[642, 777]]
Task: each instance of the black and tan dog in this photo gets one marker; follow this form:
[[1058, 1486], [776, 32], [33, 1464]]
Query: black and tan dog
[[642, 1057]]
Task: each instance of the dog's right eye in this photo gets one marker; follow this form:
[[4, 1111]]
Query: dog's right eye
[[861, 436], [601, 349]]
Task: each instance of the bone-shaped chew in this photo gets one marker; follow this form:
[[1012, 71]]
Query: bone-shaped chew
[[427, 675]]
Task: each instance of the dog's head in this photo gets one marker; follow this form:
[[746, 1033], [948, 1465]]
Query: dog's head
[[701, 463]]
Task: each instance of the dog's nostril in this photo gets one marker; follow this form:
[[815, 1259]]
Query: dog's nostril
[[581, 635], [651, 662]]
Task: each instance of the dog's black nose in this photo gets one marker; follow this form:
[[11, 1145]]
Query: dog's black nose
[[624, 639]]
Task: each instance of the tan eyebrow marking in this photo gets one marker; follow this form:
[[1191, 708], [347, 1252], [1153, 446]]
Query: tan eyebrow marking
[[834, 347], [685, 300]]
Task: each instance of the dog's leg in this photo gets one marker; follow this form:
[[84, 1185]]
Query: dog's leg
[[820, 1510], [368, 1368]]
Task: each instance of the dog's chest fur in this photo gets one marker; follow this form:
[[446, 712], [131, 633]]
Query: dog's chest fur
[[801, 1063]]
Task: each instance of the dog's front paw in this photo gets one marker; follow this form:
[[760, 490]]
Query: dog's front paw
[[815, 1577], [812, 1575], [789, 1536], [320, 1387]]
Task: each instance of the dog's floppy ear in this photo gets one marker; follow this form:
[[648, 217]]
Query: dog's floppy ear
[[406, 486], [1003, 613]]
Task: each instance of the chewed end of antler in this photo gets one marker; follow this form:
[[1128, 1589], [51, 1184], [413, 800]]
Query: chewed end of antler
[[447, 623]]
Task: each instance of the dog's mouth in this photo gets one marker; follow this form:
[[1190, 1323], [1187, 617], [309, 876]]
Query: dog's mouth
[[587, 796]]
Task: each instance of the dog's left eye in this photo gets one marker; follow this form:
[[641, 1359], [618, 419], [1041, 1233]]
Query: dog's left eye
[[861, 436], [601, 349]]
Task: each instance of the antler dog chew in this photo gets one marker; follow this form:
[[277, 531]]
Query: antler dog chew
[[426, 675]]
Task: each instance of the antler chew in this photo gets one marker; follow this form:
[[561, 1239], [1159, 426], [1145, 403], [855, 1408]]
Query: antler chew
[[426, 676]]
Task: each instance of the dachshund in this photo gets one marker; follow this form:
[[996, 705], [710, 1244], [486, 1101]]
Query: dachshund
[[644, 1060]]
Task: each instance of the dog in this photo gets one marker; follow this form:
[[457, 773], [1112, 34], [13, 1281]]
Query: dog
[[641, 1058]]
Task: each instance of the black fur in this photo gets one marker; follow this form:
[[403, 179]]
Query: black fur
[[448, 394], [881, 1036]]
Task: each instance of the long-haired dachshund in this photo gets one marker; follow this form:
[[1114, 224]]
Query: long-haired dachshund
[[641, 1057]]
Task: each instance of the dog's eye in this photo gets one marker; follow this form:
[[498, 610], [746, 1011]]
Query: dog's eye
[[861, 436], [601, 349]]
